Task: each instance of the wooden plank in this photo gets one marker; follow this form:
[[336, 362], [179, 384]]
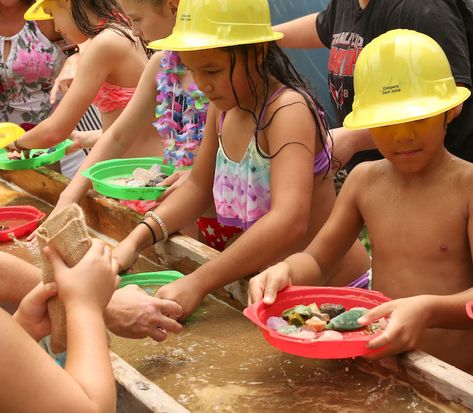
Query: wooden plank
[[433, 375], [137, 394]]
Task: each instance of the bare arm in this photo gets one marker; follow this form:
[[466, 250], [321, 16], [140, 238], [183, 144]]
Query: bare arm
[[314, 265], [300, 33], [343, 225], [348, 142], [184, 205], [123, 132], [74, 389], [18, 278]]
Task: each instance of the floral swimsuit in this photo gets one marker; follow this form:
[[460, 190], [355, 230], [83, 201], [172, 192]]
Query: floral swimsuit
[[27, 75]]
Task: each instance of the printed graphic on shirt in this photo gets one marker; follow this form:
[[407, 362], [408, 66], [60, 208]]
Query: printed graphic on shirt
[[344, 51]]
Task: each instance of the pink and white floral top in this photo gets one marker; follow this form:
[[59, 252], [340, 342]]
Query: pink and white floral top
[[27, 76]]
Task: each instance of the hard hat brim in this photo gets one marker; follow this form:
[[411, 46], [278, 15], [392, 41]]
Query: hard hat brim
[[395, 112], [36, 12], [177, 42]]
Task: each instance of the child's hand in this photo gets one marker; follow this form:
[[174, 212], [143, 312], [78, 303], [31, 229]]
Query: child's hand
[[268, 283], [32, 314], [186, 291], [91, 282], [64, 78], [76, 138], [174, 181], [132, 313], [408, 319], [125, 255]]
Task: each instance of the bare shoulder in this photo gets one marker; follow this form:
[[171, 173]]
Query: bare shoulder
[[289, 100], [112, 44], [155, 61], [367, 173], [289, 114], [460, 174]]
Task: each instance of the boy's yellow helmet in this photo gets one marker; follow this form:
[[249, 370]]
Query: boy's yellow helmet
[[36, 12], [209, 24], [402, 76]]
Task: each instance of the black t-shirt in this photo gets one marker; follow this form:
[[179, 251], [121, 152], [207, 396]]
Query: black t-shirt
[[345, 28]]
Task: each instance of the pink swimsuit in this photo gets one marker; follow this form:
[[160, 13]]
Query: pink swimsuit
[[112, 97]]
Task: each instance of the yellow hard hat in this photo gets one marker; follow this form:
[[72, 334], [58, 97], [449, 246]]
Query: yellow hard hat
[[9, 132], [36, 12], [209, 24], [402, 76]]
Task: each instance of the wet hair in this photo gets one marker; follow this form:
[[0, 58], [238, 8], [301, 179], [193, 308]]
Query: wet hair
[[277, 65], [109, 14]]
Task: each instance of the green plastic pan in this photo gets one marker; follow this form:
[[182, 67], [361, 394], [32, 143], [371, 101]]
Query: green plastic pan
[[32, 163], [103, 173]]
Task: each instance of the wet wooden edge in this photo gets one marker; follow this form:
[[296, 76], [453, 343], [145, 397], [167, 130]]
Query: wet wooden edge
[[424, 372], [137, 394]]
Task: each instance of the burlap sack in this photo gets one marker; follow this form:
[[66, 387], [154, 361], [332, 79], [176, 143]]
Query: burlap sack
[[67, 233]]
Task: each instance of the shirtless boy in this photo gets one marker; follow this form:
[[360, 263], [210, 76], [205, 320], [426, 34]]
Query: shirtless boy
[[416, 203]]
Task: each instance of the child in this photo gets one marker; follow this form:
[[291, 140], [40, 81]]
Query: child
[[416, 203], [99, 78], [30, 380], [264, 146], [165, 81]]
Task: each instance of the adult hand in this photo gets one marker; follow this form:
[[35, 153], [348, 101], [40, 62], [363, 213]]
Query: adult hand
[[132, 313], [64, 78], [32, 314], [408, 319], [89, 283], [186, 291], [268, 283], [174, 181]]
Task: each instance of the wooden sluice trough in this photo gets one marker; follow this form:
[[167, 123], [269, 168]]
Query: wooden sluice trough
[[221, 362]]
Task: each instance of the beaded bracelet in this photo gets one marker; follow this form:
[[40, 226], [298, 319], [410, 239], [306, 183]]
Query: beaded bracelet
[[161, 224], [150, 229]]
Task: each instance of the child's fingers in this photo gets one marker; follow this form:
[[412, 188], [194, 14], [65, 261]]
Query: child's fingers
[[107, 254], [375, 314], [256, 288], [32, 238], [271, 290], [382, 340], [53, 95], [170, 179], [115, 266], [97, 247], [55, 260], [42, 293], [169, 308]]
